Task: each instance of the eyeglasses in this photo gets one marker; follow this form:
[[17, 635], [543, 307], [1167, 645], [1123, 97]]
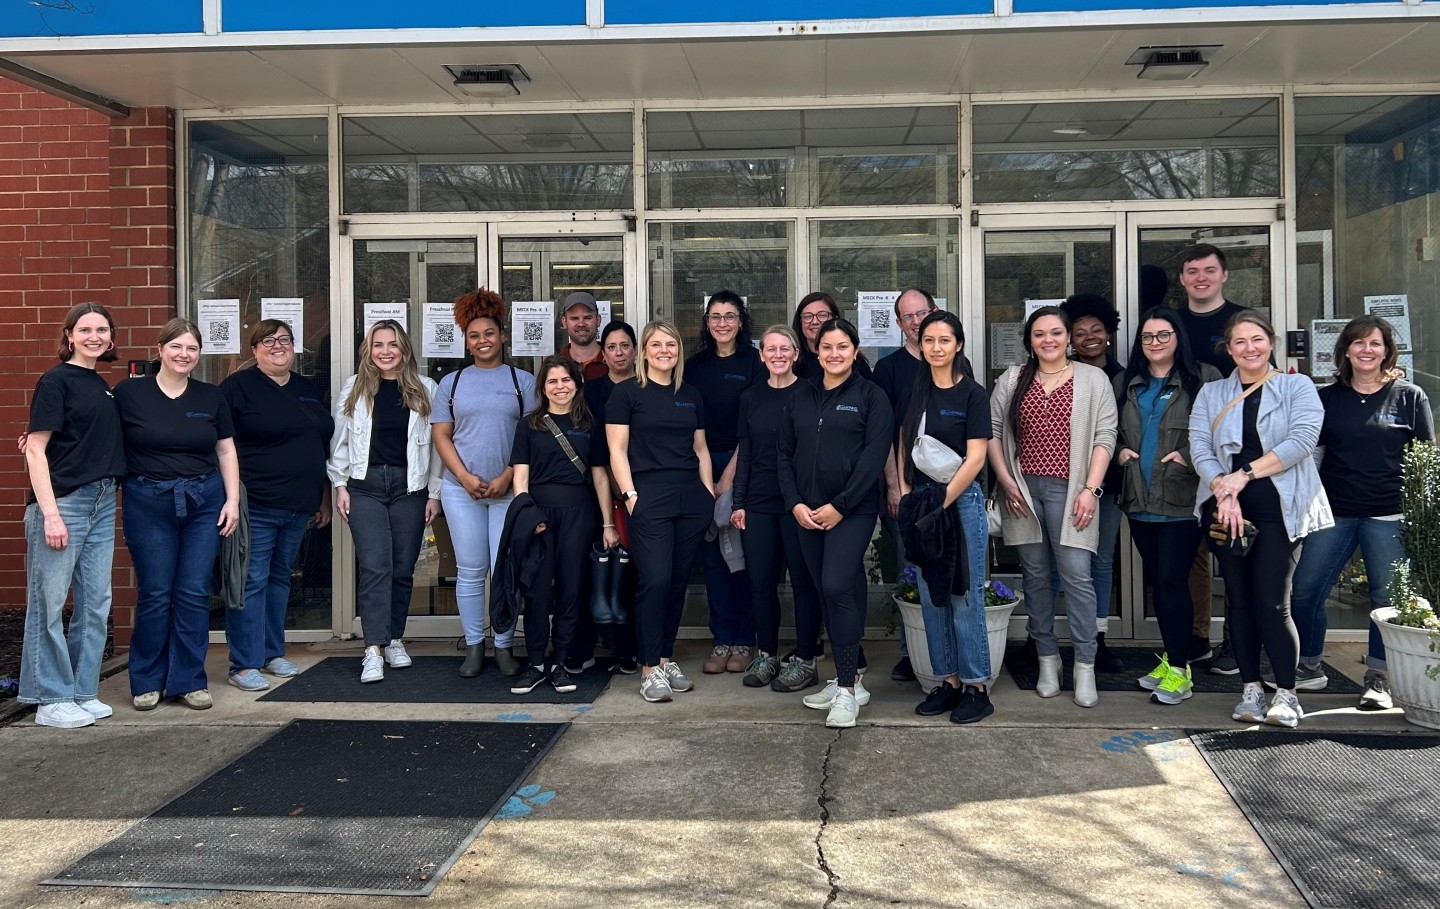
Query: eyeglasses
[[916, 316], [1159, 337], [810, 318], [723, 318], [277, 341]]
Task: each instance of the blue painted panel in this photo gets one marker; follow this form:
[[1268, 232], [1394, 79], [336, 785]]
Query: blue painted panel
[[1076, 6], [658, 12], [329, 15], [52, 18]]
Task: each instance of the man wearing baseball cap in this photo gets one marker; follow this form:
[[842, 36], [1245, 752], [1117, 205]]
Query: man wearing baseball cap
[[581, 318]]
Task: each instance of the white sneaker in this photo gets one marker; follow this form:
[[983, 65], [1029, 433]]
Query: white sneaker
[[1284, 710], [824, 699], [1251, 708], [96, 708], [844, 711], [372, 666], [396, 656], [64, 715]]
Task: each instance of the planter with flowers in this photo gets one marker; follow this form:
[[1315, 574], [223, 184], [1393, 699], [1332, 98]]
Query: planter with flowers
[[1000, 602], [1409, 626]]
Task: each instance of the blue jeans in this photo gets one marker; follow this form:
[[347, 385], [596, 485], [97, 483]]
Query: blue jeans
[[1323, 556], [170, 529], [257, 632], [732, 617], [388, 525], [956, 637], [54, 669], [475, 527]]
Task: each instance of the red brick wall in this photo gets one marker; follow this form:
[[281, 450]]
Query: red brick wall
[[87, 213]]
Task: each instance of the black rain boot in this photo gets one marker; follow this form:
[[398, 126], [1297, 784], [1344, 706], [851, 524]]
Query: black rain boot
[[1105, 659], [506, 662], [602, 572], [620, 615], [474, 661]]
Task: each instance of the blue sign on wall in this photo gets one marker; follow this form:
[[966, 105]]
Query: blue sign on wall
[[661, 12], [331, 15], [74, 18]]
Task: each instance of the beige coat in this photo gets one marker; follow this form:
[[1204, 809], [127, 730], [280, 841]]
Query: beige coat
[[1093, 421]]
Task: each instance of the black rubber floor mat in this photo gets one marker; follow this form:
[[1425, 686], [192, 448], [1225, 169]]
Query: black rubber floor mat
[[1351, 816], [329, 806], [1137, 661], [432, 680]]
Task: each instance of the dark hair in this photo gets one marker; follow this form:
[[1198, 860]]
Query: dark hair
[[1360, 327], [742, 337], [267, 327], [579, 410], [1202, 251], [1154, 285], [1092, 306], [806, 301], [924, 384], [1185, 365], [615, 325], [71, 318], [845, 327], [929, 299], [1028, 369]]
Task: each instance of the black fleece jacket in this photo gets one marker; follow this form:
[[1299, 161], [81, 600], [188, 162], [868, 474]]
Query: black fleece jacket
[[833, 445]]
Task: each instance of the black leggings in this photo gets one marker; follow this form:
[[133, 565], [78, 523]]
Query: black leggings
[[772, 542], [1258, 589], [573, 517], [836, 561], [666, 529], [1168, 550]]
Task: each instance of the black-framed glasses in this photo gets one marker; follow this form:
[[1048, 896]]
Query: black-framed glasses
[[1159, 337], [723, 318], [277, 341]]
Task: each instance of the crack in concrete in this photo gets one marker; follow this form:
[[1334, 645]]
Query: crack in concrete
[[823, 800]]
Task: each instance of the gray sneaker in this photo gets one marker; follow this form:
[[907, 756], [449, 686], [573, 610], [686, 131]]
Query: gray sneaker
[[655, 686], [1284, 710], [249, 680], [825, 698], [677, 679], [1376, 695], [844, 711], [282, 668], [1223, 663], [1307, 678], [761, 670], [1251, 708], [795, 675]]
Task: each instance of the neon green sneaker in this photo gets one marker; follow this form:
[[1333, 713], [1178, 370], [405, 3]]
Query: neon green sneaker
[[1175, 688], [1152, 680]]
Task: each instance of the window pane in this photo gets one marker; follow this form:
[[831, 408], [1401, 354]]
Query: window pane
[[849, 156], [503, 162], [1093, 151], [691, 260]]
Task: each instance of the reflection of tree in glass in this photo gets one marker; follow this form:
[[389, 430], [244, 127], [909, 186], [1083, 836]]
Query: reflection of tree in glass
[[1128, 174]]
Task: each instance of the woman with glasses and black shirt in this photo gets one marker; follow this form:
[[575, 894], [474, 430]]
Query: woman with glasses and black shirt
[[815, 310]]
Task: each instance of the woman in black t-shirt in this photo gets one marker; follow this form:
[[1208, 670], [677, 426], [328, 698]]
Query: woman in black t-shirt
[[183, 483], [74, 455], [815, 310], [950, 407], [656, 429], [282, 436], [573, 493]]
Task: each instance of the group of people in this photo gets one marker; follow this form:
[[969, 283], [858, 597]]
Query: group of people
[[759, 455]]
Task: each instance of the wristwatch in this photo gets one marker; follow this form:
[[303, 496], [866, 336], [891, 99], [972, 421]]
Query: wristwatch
[[1248, 469], [1097, 491], [629, 494]]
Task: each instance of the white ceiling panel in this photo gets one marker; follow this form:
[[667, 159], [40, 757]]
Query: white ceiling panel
[[379, 74], [758, 69]]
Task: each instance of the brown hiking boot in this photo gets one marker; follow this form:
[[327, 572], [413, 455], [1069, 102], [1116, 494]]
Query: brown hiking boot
[[717, 661], [739, 659]]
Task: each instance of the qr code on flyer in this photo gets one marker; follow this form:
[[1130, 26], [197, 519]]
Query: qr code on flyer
[[219, 333], [879, 319], [534, 332], [444, 334]]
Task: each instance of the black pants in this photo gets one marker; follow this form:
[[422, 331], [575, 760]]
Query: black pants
[[1258, 588], [1168, 550], [553, 616], [772, 542], [666, 529], [836, 561]]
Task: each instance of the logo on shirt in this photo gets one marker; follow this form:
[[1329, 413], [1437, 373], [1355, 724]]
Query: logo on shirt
[[198, 415], [848, 408], [305, 400], [689, 404], [952, 413], [732, 376]]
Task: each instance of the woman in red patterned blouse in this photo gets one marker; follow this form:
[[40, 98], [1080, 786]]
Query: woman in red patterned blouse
[[1053, 422]]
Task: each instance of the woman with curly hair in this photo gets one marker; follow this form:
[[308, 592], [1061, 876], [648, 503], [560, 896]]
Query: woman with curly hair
[[476, 412]]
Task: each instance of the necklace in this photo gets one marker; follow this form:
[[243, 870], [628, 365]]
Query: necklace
[[1053, 372]]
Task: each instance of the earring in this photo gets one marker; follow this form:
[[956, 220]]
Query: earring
[[70, 346], [111, 347]]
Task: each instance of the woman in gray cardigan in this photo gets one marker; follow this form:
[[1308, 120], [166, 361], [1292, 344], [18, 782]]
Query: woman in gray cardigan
[[1252, 436], [1053, 424]]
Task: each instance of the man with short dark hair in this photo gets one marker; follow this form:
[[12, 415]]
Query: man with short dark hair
[[580, 315]]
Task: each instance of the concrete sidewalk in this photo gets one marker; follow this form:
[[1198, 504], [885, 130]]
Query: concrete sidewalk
[[730, 797]]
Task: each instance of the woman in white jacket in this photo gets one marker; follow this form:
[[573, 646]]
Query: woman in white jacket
[[386, 474]]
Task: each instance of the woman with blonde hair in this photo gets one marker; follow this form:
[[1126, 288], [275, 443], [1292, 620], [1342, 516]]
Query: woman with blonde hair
[[387, 485], [655, 425]]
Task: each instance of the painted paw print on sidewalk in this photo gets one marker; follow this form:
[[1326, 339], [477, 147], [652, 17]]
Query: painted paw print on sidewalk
[[524, 802], [1139, 741]]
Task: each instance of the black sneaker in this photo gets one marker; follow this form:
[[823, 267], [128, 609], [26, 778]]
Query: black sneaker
[[1105, 659], [903, 671], [625, 666], [1223, 663], [942, 699], [1200, 648], [575, 667], [528, 680], [560, 680], [1027, 662], [974, 706]]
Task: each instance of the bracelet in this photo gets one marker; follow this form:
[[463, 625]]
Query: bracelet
[[603, 526]]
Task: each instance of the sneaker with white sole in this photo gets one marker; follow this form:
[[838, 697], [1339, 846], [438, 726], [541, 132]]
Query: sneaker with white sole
[[825, 697], [676, 678], [1251, 708], [372, 666], [249, 680], [199, 699], [281, 668], [844, 710], [1152, 679], [561, 680], [1284, 710], [146, 700], [395, 655], [655, 686], [1223, 661], [96, 708], [795, 675], [1177, 686], [529, 680], [1376, 695], [64, 715]]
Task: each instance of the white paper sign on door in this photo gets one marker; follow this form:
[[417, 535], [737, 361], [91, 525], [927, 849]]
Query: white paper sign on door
[[439, 335], [1006, 347], [603, 306], [219, 326], [532, 329], [291, 311], [1032, 305], [877, 319], [1395, 309], [1323, 333], [400, 312]]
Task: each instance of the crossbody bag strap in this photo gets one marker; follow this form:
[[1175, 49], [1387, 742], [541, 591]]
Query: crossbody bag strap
[[519, 395], [564, 443], [454, 384], [1215, 426]]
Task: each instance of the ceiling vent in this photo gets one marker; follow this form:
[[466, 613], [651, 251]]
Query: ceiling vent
[[497, 80], [1172, 64]]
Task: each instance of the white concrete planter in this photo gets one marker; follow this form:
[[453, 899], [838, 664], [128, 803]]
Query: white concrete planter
[[1408, 655], [997, 625]]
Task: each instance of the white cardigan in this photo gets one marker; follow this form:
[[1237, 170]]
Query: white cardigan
[[350, 446]]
